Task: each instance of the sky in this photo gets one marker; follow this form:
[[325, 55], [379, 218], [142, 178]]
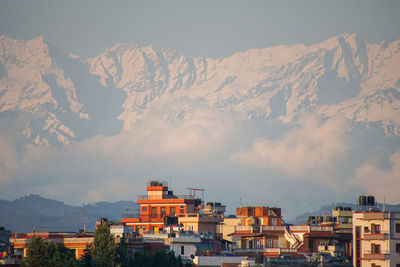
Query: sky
[[197, 28], [105, 164]]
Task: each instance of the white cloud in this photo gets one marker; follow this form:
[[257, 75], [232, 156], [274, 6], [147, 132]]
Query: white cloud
[[314, 144], [379, 182]]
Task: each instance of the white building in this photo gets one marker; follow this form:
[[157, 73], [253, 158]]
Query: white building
[[376, 239]]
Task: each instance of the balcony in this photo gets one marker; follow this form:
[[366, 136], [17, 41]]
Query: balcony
[[306, 228], [248, 229], [265, 250], [377, 236], [273, 228], [376, 255], [145, 217], [375, 215], [147, 197]]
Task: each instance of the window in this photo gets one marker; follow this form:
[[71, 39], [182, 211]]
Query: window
[[182, 210], [397, 227], [375, 228], [366, 229], [154, 212], [163, 211], [375, 249], [172, 211], [397, 247], [274, 221], [182, 250], [144, 209], [269, 243]]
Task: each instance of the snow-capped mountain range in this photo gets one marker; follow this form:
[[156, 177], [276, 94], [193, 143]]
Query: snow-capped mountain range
[[58, 97]]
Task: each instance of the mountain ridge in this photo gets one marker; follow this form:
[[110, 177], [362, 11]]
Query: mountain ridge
[[21, 214], [61, 97]]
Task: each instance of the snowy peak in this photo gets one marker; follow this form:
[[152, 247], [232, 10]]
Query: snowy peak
[[64, 98]]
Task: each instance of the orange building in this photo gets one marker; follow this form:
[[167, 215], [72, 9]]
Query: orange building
[[259, 215], [159, 206], [75, 241]]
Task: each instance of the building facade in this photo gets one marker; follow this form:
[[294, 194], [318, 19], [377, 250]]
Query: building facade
[[159, 206], [376, 239]]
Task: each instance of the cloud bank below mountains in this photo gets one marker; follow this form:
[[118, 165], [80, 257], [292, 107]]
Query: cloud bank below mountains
[[295, 168]]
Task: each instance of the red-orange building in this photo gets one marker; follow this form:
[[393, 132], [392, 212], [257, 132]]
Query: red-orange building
[[158, 206]]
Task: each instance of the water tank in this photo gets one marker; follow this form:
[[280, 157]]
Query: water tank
[[347, 209], [328, 218], [311, 218], [320, 218], [339, 208], [362, 200], [370, 200]]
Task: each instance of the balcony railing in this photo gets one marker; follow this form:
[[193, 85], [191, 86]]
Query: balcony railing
[[146, 217], [147, 197], [382, 235], [376, 255], [306, 228], [265, 250], [250, 229], [273, 228]]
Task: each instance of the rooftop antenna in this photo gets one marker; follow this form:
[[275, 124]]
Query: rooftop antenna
[[383, 204]]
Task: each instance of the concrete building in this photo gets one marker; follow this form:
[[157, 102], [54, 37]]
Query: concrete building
[[75, 241], [342, 218], [158, 206], [227, 227], [200, 223], [376, 239]]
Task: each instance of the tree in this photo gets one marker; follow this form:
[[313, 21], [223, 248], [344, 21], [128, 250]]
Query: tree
[[104, 249], [43, 253], [122, 256], [86, 260]]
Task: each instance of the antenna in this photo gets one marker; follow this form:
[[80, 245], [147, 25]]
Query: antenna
[[383, 204]]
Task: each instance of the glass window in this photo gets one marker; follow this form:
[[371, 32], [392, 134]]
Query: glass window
[[144, 209], [397, 227], [172, 211], [154, 212], [163, 211]]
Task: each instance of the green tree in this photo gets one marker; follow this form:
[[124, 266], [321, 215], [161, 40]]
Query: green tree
[[43, 253], [122, 256], [86, 260], [104, 249]]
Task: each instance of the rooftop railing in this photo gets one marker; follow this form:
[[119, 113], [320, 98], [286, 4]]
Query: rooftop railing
[[147, 197]]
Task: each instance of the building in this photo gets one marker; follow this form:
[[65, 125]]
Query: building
[[158, 206], [227, 227], [4, 242], [161, 208], [261, 232], [200, 223], [376, 239], [342, 218], [74, 241]]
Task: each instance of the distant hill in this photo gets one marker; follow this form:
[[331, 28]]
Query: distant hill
[[327, 211], [21, 214]]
